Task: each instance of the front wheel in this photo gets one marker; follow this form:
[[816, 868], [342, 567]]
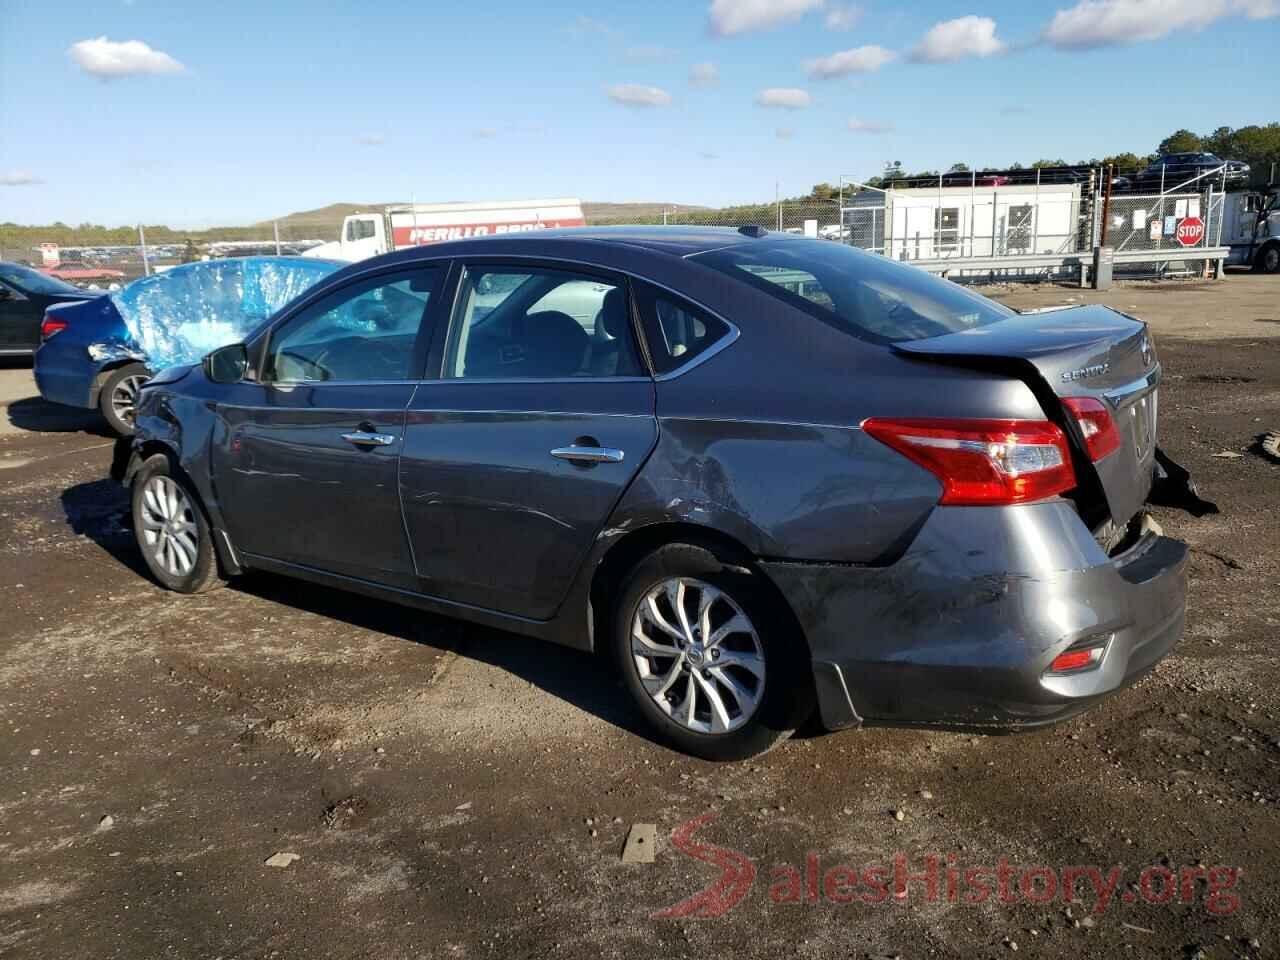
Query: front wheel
[[171, 530], [706, 657], [1268, 259], [118, 400]]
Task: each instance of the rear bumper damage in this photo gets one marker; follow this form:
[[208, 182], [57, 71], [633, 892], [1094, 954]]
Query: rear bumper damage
[[962, 630]]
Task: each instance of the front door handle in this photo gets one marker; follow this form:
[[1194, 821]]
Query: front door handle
[[578, 454], [363, 438]]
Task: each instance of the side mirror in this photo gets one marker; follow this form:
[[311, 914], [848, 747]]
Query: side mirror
[[5, 293], [227, 364]]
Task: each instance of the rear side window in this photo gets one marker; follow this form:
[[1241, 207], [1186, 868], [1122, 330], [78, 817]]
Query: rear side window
[[677, 332], [863, 294]]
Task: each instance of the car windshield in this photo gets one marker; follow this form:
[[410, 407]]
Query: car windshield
[[860, 293], [33, 281]]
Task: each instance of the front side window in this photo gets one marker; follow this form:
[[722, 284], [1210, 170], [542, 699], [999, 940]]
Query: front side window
[[522, 323], [365, 331], [863, 294]]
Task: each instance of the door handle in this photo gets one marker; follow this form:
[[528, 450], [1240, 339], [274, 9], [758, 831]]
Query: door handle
[[363, 438], [577, 454]]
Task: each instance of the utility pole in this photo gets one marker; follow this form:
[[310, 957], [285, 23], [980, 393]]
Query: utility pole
[[142, 242], [275, 227]]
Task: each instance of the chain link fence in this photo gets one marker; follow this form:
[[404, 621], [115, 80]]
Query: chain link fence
[[1159, 223]]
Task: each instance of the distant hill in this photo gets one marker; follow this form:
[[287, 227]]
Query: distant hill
[[327, 220], [329, 217]]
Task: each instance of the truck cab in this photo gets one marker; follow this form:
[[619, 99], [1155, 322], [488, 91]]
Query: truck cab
[[363, 235], [1251, 228]]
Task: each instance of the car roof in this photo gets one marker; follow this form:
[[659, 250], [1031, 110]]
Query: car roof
[[675, 241]]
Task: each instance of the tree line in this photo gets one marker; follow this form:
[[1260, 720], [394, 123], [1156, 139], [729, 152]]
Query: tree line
[[1258, 146]]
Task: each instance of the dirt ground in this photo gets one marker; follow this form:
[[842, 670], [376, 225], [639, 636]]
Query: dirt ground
[[457, 792]]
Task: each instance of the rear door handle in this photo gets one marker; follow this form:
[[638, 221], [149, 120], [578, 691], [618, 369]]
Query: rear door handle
[[363, 438], [577, 454]]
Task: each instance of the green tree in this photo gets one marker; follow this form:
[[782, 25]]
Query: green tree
[[958, 168], [1048, 163], [1180, 141]]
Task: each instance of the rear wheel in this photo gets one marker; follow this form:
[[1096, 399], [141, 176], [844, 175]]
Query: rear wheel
[[119, 397], [172, 531], [707, 659]]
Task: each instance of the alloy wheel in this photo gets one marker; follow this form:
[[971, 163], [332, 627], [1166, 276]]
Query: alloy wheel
[[124, 398], [698, 655], [169, 528]]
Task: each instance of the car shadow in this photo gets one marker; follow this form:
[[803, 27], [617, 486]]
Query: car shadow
[[585, 680], [38, 415], [99, 510]]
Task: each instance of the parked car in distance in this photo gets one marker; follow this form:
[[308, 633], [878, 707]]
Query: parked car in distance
[[91, 356], [762, 472], [25, 294], [1172, 170]]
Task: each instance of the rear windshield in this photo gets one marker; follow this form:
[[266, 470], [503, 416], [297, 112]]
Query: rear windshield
[[861, 293]]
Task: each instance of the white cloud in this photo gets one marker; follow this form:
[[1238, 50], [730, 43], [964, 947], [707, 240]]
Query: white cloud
[[638, 95], [784, 133], [19, 178], [870, 126], [1102, 23], [866, 59], [956, 39], [1259, 9], [371, 139], [786, 98], [484, 133], [844, 17], [708, 155], [729, 17], [112, 59], [704, 75]]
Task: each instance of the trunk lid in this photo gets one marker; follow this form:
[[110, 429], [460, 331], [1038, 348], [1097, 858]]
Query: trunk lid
[[1086, 351]]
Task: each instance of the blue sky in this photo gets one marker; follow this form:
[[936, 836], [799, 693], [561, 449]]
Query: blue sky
[[202, 114]]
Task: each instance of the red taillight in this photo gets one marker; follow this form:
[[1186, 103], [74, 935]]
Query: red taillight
[[1100, 433], [1074, 660], [984, 462], [50, 326]]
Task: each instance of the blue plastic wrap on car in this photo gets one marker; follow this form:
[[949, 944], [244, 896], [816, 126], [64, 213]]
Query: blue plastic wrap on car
[[178, 316]]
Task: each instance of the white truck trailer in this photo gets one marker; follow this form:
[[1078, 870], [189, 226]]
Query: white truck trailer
[[1251, 229], [409, 225]]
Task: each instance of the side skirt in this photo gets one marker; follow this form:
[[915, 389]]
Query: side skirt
[[539, 629]]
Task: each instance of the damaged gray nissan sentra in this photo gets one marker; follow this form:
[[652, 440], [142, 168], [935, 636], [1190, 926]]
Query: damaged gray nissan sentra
[[761, 472]]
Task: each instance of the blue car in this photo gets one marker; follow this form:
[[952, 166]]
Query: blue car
[[98, 353]]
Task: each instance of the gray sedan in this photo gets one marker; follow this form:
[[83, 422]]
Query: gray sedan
[[766, 475]]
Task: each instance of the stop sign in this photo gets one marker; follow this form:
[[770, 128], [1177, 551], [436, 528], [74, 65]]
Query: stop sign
[[1190, 231]]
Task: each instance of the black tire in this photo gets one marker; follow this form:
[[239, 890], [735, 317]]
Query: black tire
[[1268, 259], [188, 563], [787, 698], [119, 387]]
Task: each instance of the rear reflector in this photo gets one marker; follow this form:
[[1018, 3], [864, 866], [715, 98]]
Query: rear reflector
[[49, 327], [984, 462], [1074, 660], [1100, 433]]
